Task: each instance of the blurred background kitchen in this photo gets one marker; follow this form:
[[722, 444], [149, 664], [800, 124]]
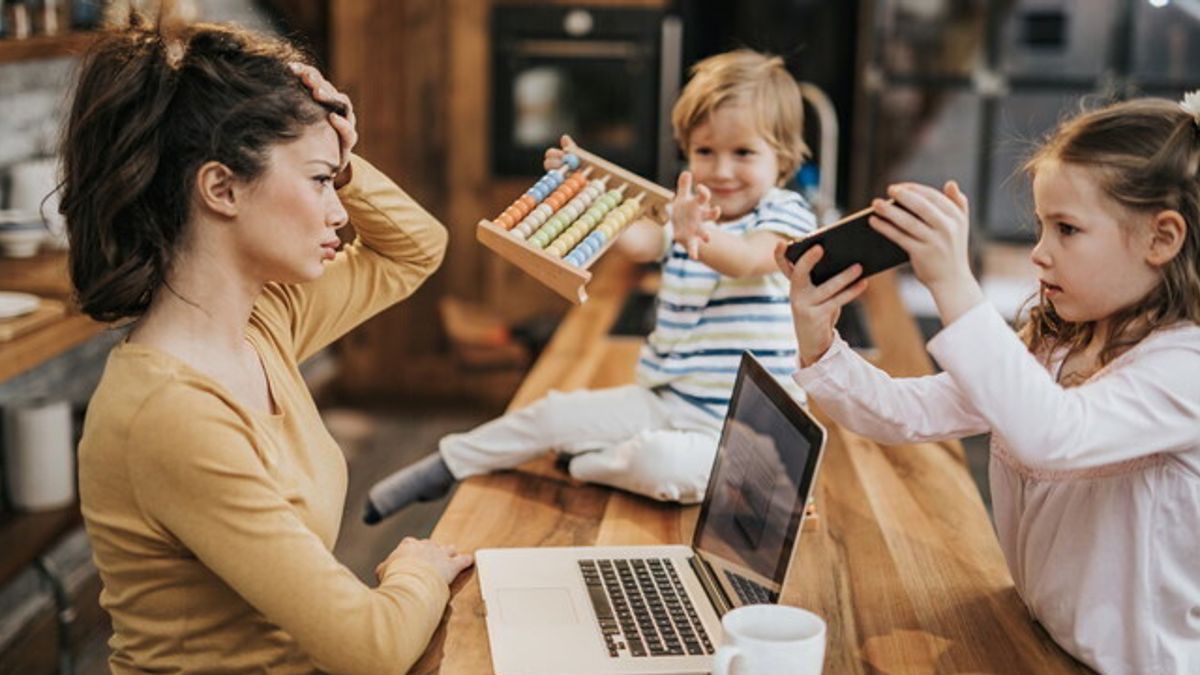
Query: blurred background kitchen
[[457, 100]]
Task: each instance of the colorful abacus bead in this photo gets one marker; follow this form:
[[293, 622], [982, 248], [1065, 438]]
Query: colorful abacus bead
[[526, 202], [614, 221], [568, 213], [594, 213], [571, 160], [552, 203], [515, 212], [612, 225]]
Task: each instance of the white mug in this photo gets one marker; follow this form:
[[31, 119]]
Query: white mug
[[770, 640], [39, 455]]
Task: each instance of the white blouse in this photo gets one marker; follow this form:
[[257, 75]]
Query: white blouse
[[1095, 488]]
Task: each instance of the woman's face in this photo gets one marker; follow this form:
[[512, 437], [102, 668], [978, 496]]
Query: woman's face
[[292, 212]]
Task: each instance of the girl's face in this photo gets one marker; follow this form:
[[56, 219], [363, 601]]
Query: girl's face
[[727, 154], [1091, 253], [293, 212]]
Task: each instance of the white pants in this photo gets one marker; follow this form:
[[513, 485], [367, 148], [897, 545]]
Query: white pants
[[655, 445]]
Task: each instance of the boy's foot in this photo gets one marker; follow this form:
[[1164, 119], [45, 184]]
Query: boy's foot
[[422, 481]]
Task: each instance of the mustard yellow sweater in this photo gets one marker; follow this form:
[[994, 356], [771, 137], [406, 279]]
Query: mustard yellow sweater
[[212, 525]]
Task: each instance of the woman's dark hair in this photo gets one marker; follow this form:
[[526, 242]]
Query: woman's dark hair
[[1145, 155], [149, 110]]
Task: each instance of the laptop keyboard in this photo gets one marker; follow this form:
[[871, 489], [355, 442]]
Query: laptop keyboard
[[750, 592], [643, 608]]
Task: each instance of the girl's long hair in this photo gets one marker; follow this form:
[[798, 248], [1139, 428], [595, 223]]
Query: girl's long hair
[[1145, 153]]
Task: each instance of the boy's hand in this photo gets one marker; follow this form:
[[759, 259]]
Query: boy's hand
[[815, 309], [690, 212], [554, 156]]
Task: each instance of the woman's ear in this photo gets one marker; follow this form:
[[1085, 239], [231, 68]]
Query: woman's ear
[[1168, 230], [215, 189]]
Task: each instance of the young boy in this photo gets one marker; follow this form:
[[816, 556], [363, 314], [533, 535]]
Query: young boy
[[739, 122]]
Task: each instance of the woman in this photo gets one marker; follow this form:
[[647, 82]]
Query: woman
[[206, 175]]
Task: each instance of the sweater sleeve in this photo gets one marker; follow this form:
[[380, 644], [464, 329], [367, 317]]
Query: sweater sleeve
[[1151, 404], [397, 247], [208, 490], [869, 402]]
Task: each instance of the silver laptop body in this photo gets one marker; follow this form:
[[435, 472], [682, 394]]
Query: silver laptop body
[[657, 609]]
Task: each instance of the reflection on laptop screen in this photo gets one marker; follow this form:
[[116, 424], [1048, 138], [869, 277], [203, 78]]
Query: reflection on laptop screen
[[755, 491]]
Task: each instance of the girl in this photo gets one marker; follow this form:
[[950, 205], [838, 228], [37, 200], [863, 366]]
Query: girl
[[1094, 408], [206, 174], [739, 121]]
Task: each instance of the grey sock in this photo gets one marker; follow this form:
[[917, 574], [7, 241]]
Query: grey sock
[[421, 481]]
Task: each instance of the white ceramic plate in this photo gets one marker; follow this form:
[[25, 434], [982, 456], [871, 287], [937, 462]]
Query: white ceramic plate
[[16, 304]]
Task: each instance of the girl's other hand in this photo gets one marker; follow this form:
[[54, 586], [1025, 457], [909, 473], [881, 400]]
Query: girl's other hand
[[690, 213], [442, 558], [815, 309], [932, 226], [344, 124], [554, 156]]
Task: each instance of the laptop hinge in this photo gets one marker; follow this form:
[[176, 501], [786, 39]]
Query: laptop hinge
[[712, 588]]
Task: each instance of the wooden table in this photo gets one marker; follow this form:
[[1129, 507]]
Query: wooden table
[[902, 563]]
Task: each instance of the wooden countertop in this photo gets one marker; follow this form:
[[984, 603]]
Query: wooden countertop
[[903, 563], [44, 275]]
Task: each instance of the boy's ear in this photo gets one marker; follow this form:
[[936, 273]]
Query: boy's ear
[[1168, 231], [215, 188]]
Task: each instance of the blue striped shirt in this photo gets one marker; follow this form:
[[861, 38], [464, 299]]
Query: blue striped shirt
[[704, 321]]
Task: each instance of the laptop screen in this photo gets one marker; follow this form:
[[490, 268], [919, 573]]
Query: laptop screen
[[766, 461]]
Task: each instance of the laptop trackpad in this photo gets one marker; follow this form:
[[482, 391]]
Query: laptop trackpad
[[536, 606]]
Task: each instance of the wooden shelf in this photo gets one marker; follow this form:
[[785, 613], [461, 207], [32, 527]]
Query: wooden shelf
[[13, 50], [25, 536], [44, 275]]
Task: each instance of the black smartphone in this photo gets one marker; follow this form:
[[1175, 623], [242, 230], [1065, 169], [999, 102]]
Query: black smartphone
[[848, 241]]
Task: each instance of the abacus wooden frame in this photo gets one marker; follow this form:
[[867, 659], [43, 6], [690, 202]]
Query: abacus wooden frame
[[564, 279]]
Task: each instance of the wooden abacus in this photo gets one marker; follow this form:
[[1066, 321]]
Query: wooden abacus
[[570, 217]]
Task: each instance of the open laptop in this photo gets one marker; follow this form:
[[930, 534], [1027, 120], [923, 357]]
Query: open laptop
[[657, 609]]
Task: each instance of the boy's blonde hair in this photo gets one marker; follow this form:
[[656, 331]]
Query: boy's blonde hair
[[757, 81], [1145, 155]]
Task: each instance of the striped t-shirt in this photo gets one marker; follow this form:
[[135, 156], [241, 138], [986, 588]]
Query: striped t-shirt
[[704, 321]]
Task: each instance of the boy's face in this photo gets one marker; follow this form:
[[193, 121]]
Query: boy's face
[[728, 155]]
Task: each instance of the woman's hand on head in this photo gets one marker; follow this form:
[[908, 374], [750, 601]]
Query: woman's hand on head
[[443, 558], [932, 226], [554, 156], [815, 309], [324, 92]]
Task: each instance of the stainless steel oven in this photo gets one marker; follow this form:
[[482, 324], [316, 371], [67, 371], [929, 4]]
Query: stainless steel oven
[[606, 76]]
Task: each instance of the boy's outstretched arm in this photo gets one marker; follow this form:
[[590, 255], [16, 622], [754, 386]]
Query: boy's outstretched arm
[[733, 255], [642, 242]]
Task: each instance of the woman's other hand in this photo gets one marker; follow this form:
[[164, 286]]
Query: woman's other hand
[[815, 309], [344, 124], [443, 558]]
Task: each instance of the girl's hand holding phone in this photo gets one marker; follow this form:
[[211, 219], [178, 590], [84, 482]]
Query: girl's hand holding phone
[[815, 309], [932, 226]]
